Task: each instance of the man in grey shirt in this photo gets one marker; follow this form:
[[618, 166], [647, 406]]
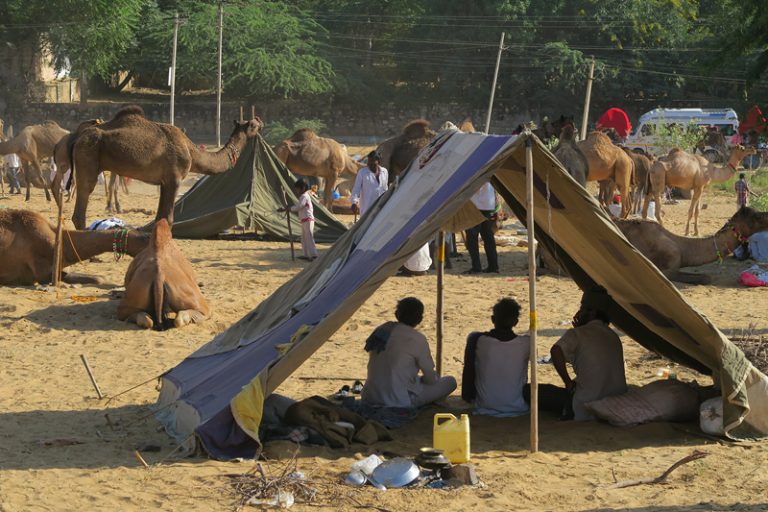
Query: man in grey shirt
[[397, 354]]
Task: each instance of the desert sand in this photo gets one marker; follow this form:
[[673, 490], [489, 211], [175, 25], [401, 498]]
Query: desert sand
[[57, 451]]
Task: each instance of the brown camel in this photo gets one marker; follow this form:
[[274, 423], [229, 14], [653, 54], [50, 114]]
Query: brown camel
[[670, 252], [33, 144], [308, 154], [397, 152], [161, 281], [569, 154], [156, 153], [608, 161], [61, 153], [690, 172], [27, 243]]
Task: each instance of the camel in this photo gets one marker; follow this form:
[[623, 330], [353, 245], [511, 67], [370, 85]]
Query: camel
[[27, 244], [161, 281], [61, 155], [670, 252], [308, 154], [607, 161], [156, 153], [690, 172], [33, 144], [397, 152], [569, 154], [551, 129]]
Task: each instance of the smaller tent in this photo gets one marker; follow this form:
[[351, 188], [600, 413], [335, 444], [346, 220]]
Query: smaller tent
[[248, 195], [755, 121], [617, 119]]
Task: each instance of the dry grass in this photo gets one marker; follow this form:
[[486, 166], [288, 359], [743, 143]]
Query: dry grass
[[755, 347]]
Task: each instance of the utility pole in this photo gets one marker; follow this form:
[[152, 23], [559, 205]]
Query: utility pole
[[173, 62], [585, 116], [218, 84], [493, 87]]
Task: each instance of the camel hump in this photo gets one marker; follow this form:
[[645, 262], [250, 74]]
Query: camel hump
[[417, 129], [467, 126], [303, 134], [130, 110], [161, 234]]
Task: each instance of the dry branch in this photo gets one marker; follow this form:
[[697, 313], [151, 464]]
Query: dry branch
[[663, 477]]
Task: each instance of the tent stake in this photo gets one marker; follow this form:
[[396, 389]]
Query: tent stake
[[440, 254], [90, 374], [288, 219], [57, 245], [532, 293]]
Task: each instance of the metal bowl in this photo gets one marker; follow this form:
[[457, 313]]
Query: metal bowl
[[396, 472]]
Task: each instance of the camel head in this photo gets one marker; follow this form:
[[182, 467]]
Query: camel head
[[249, 128], [418, 129], [739, 153], [568, 133], [466, 125], [746, 222], [161, 234]]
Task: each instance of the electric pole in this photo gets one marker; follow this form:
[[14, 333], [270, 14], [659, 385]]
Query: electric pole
[[493, 87], [218, 84], [173, 62]]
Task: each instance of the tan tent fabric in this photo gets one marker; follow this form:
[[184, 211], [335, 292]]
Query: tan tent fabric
[[642, 302]]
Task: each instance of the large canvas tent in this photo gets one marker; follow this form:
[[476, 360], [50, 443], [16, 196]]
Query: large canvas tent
[[248, 195], [218, 391]]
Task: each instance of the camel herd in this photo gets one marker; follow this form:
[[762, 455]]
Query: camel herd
[[161, 289]]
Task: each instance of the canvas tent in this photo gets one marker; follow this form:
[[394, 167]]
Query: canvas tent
[[248, 195], [217, 392]]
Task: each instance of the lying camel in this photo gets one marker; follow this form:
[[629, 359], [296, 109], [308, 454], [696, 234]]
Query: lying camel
[[161, 281], [670, 252], [27, 242]]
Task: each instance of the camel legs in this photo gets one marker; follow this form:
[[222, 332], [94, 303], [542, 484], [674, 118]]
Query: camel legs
[[112, 192], [83, 191], [328, 186], [693, 211], [39, 171], [167, 197]]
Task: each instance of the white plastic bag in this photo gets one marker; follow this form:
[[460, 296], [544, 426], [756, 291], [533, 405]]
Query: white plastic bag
[[711, 416]]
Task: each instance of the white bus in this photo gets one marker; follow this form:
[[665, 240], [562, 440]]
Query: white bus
[[643, 136]]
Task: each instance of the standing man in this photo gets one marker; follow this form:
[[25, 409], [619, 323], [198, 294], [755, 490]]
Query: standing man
[[742, 191], [485, 201], [14, 164], [371, 182]]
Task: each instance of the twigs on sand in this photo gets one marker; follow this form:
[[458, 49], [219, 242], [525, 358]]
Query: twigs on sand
[[755, 347], [696, 455]]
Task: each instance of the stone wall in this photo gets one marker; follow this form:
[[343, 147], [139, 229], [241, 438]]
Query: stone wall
[[347, 124]]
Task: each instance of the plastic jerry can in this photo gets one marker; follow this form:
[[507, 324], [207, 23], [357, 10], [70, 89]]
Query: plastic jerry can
[[451, 434]]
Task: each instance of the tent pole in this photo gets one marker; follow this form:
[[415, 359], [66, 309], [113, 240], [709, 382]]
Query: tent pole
[[493, 86], [440, 254], [218, 76], [288, 220], [57, 245], [532, 293], [585, 116]]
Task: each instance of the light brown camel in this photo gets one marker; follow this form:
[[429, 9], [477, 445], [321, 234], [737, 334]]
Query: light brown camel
[[670, 252], [569, 154], [690, 172], [61, 153], [308, 154], [33, 144], [608, 161], [159, 282], [397, 152], [26, 248], [156, 153]]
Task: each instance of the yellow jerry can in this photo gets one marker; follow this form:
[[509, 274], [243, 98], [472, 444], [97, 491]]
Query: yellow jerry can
[[451, 434]]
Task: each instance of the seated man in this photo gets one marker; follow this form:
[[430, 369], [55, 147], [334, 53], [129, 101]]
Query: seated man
[[597, 357], [496, 365], [397, 352]]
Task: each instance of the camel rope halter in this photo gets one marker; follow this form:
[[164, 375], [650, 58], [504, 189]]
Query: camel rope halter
[[120, 243]]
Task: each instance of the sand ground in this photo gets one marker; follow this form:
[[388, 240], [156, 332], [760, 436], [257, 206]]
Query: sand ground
[[47, 402]]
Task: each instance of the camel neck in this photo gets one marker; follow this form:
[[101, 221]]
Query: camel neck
[[81, 245], [222, 160], [700, 251]]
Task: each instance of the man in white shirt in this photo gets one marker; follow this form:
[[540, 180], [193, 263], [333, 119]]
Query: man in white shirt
[[496, 365], [397, 353], [596, 355], [371, 182], [14, 164], [485, 201]]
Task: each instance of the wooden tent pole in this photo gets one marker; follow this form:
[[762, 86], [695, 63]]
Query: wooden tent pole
[[440, 254], [288, 220], [585, 115], [532, 294], [253, 111], [57, 245], [241, 113]]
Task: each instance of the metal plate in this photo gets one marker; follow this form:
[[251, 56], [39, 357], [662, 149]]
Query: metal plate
[[396, 472]]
